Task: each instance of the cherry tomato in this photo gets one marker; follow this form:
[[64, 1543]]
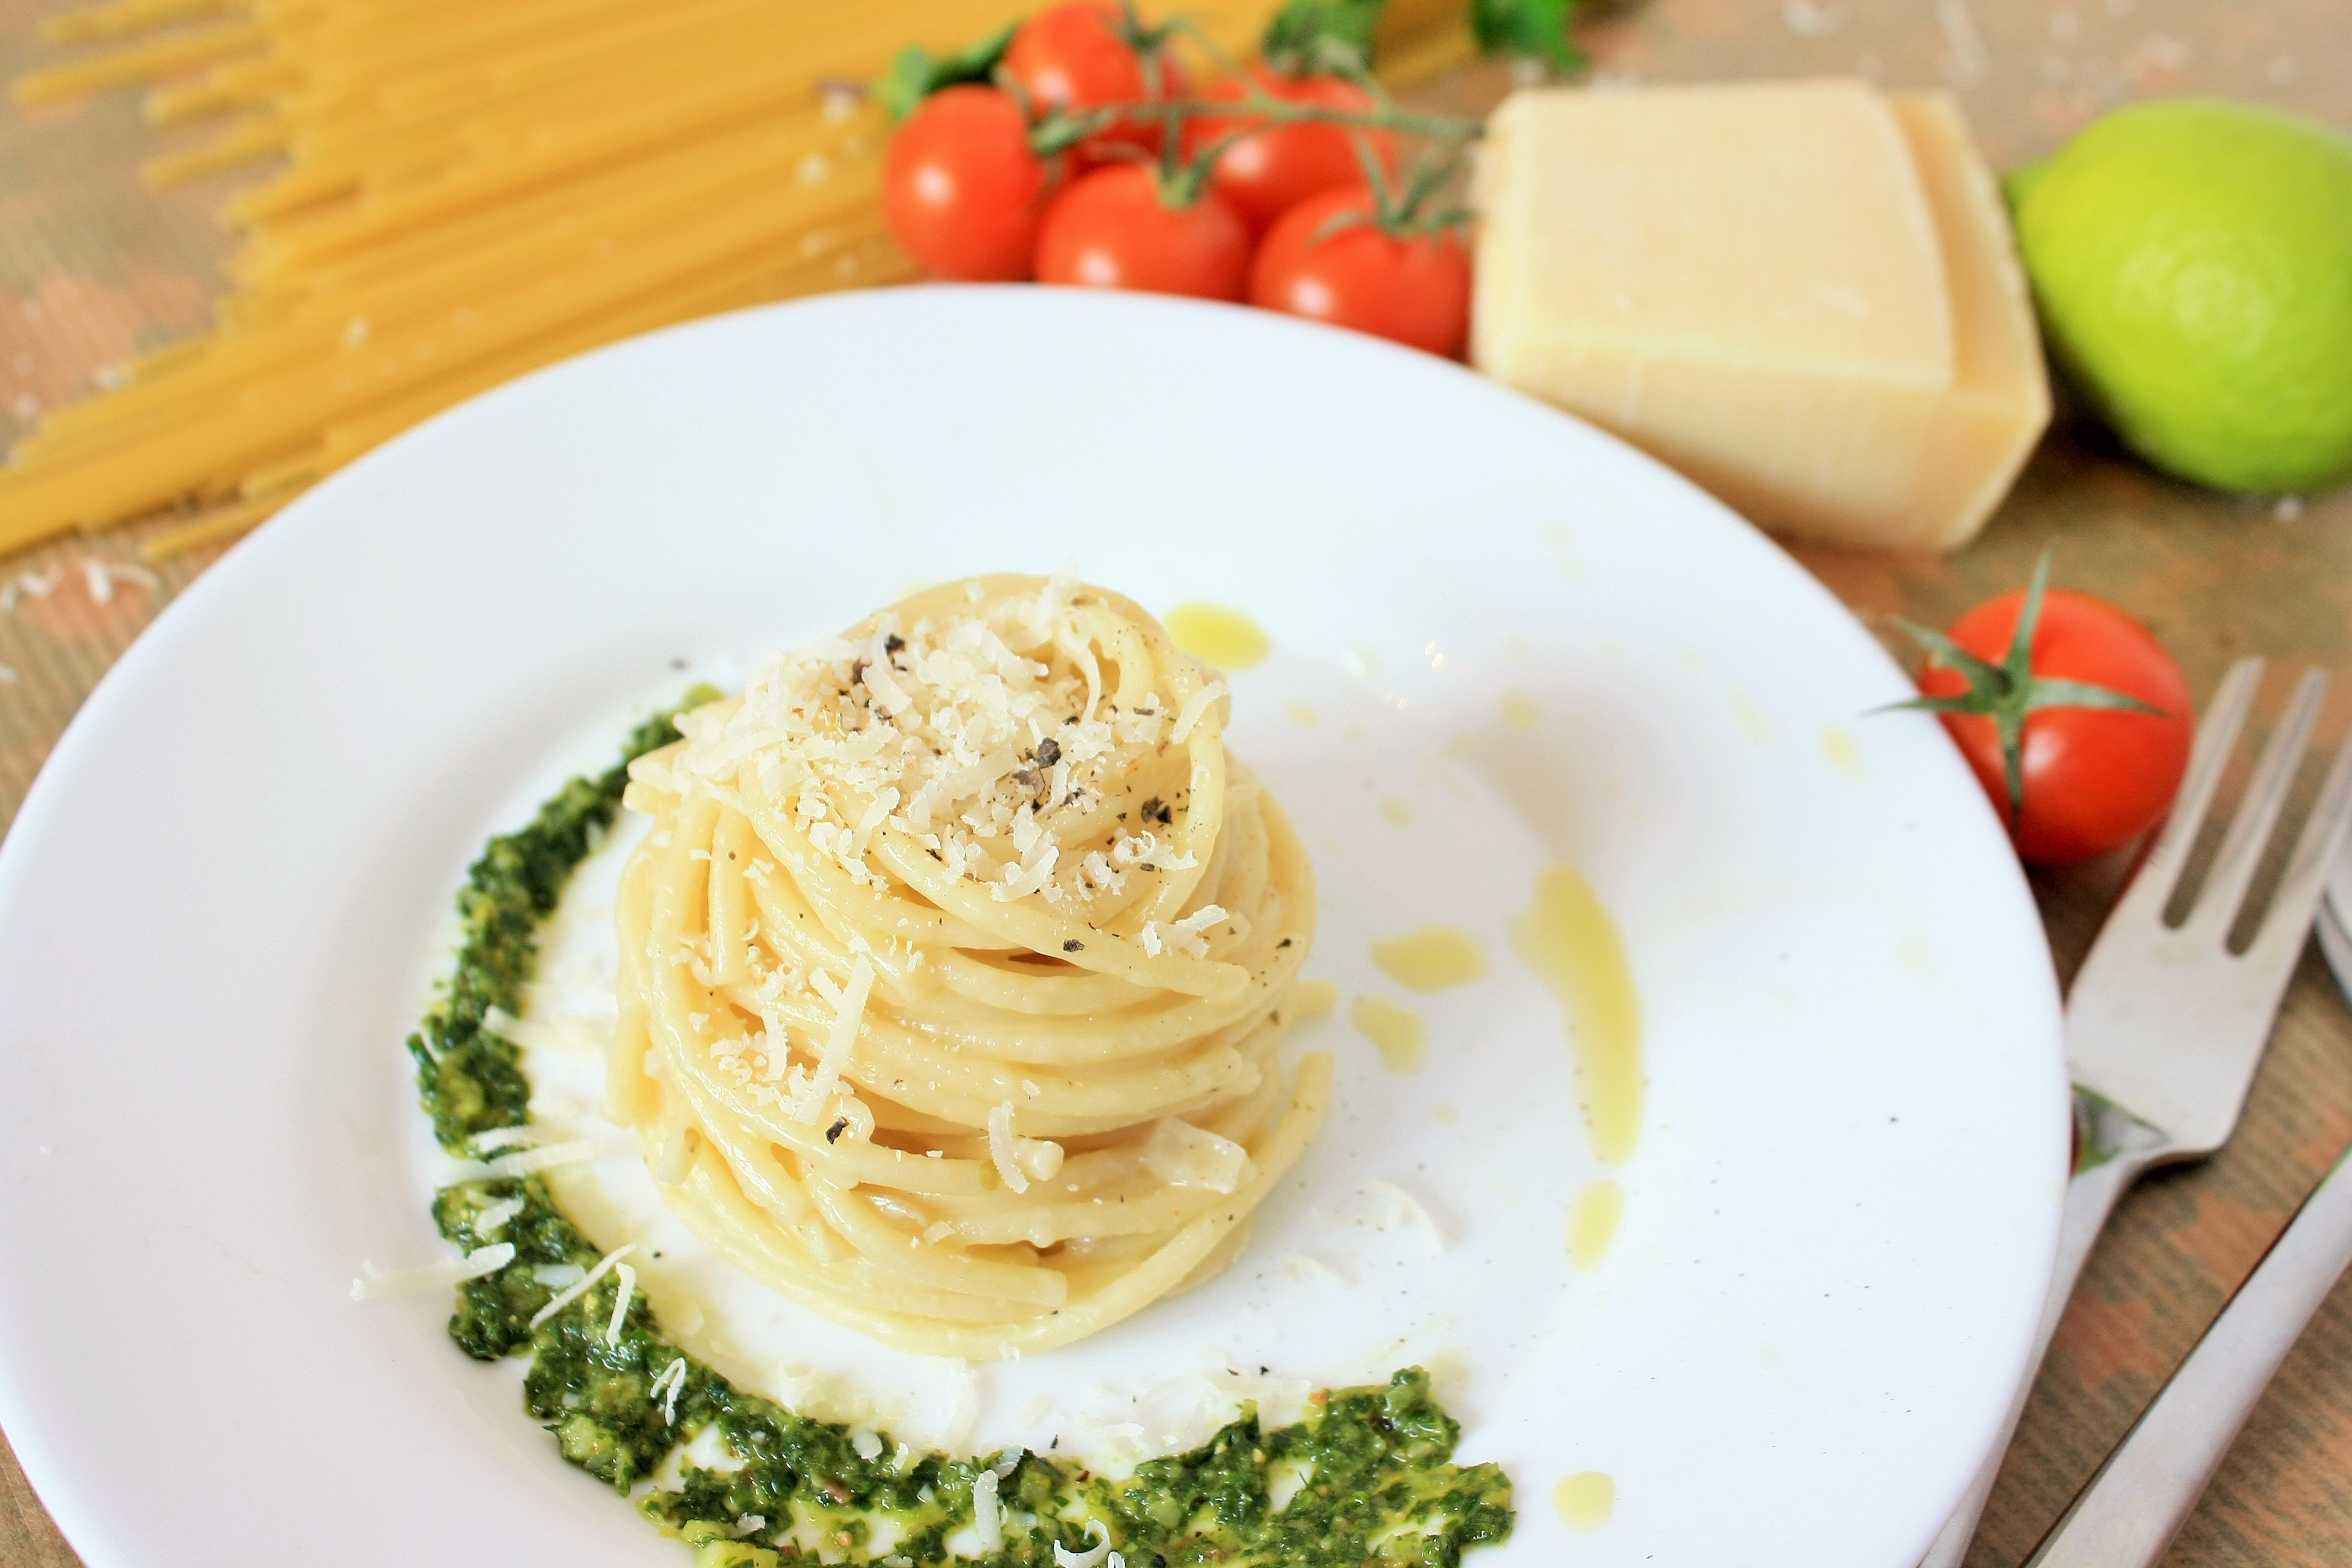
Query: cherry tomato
[[1268, 172], [2095, 778], [1076, 57], [962, 191], [1112, 229], [1415, 289]]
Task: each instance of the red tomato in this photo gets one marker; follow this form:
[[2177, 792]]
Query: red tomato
[[1415, 289], [2095, 778], [1267, 173], [1112, 229], [1076, 57], [961, 190]]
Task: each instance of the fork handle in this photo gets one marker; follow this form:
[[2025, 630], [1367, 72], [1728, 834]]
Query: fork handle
[[2146, 1489], [2130, 1147]]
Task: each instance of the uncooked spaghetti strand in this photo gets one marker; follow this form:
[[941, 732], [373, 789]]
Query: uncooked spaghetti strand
[[142, 62]]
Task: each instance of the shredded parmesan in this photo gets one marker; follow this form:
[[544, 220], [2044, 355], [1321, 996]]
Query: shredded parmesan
[[491, 1218], [977, 733], [1185, 934], [849, 1011], [665, 1386], [1091, 1558], [621, 1305], [586, 1282], [371, 1286], [987, 1522], [1001, 1150], [1195, 706]]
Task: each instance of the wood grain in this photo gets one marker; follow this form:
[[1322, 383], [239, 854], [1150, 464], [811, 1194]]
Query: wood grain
[[93, 267]]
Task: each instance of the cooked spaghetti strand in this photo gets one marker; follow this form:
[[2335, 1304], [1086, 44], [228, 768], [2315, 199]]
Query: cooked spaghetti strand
[[952, 970]]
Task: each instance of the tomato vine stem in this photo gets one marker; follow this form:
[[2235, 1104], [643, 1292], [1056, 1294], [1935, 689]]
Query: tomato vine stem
[[2008, 691]]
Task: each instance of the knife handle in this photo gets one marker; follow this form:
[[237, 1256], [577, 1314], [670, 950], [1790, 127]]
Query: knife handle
[[2118, 1148], [2146, 1489]]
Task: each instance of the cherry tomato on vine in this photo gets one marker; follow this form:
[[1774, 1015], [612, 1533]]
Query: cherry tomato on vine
[[1114, 229], [1413, 287], [1078, 57], [1265, 174], [961, 189], [2093, 774]]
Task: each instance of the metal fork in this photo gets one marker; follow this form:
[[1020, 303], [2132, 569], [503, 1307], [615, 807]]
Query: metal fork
[[2149, 1485], [2164, 1024]]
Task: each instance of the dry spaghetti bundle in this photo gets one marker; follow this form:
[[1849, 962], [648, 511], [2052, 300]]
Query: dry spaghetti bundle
[[453, 194], [952, 971]]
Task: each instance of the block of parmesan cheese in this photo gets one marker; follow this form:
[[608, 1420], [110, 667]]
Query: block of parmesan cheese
[[1802, 294]]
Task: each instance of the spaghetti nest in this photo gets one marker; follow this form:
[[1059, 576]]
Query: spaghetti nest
[[951, 969]]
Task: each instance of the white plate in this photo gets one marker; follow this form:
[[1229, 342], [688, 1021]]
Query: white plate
[[219, 906]]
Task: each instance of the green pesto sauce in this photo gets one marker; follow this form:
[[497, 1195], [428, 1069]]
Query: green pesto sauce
[[1378, 1487]]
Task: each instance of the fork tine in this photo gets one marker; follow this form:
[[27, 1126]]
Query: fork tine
[[2257, 813], [2295, 905], [2217, 735]]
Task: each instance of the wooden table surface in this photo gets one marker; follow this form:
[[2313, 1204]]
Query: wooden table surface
[[93, 267]]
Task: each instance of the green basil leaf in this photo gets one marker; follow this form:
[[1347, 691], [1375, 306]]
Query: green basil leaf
[[1321, 34], [918, 73], [1536, 30]]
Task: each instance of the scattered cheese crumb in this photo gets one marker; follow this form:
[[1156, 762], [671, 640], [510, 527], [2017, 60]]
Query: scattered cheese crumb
[[101, 577], [1389, 1207], [1310, 1270], [1185, 1155]]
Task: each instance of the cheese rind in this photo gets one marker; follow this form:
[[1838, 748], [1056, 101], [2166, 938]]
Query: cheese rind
[[1978, 436], [1802, 295]]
